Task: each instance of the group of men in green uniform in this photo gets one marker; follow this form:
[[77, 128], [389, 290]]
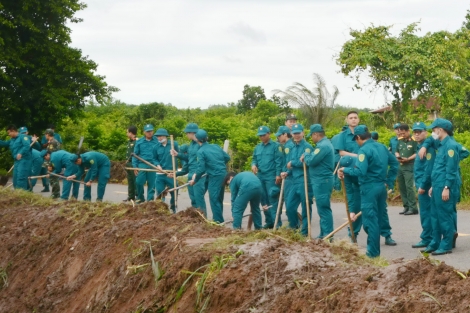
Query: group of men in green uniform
[[46, 159]]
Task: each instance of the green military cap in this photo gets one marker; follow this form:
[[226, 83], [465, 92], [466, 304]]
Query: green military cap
[[297, 128], [148, 127], [263, 130], [191, 128], [441, 123], [282, 130], [23, 130], [360, 129], [201, 135], [43, 153], [374, 135], [49, 132], [396, 125], [161, 132], [347, 161], [419, 126], [316, 128], [291, 116]]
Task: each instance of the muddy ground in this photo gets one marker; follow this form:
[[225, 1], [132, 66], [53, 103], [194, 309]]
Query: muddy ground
[[97, 257]]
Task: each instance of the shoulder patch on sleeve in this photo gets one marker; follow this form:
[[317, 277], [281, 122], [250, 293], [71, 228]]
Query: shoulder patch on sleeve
[[316, 151], [25, 138], [451, 153], [307, 150], [362, 157], [280, 149], [428, 156], [92, 161], [287, 151]]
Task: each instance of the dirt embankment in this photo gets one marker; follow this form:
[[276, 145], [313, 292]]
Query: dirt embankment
[[97, 257]]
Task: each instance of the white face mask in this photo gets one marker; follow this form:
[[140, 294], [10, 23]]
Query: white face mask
[[435, 135], [162, 141]]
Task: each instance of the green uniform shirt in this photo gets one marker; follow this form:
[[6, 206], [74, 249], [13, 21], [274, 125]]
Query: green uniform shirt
[[293, 154], [393, 144], [406, 148], [346, 142], [144, 149], [268, 158], [18, 145], [446, 166], [371, 166], [53, 145], [162, 156], [211, 159], [321, 161], [130, 149], [423, 168], [243, 181], [92, 160]]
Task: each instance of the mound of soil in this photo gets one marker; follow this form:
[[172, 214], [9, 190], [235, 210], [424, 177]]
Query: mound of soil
[[97, 257], [118, 172]]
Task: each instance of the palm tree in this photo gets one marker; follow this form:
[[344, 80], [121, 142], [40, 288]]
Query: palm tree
[[316, 104]]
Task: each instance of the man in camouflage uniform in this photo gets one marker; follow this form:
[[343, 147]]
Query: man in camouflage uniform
[[131, 134], [42, 144], [52, 146]]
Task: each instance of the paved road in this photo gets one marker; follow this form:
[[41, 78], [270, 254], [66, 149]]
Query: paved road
[[406, 229]]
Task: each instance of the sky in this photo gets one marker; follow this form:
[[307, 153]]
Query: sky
[[202, 52]]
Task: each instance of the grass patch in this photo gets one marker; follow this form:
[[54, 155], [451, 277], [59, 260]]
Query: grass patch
[[348, 252], [4, 276]]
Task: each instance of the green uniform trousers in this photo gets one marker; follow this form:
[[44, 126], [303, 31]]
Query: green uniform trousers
[[130, 183], [141, 179], [443, 217], [353, 195], [67, 185], [36, 168], [252, 196], [197, 192], [406, 185], [373, 205], [322, 188], [103, 177], [161, 182], [216, 196], [425, 216], [294, 197], [270, 214], [21, 173]]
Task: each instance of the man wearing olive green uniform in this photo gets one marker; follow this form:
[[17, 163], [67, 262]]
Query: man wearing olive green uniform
[[131, 134], [406, 154], [374, 173], [320, 164], [267, 166], [212, 160], [295, 170], [422, 173], [444, 191]]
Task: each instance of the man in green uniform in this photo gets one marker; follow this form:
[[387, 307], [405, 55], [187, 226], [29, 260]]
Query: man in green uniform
[[131, 135], [334, 142], [245, 188], [374, 175], [295, 170], [63, 160], [346, 145], [282, 136], [320, 164], [21, 153], [393, 144], [163, 159], [98, 167], [198, 190], [267, 166], [422, 173], [36, 165], [144, 149], [212, 160], [45, 143], [375, 136], [53, 145], [406, 154], [444, 189]]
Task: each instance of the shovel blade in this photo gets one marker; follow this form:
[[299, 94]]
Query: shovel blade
[[3, 180]]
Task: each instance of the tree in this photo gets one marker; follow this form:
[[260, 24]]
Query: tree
[[409, 66], [251, 97], [316, 104], [42, 78]]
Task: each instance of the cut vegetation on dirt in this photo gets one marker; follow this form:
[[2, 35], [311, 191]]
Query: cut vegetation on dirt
[[102, 257]]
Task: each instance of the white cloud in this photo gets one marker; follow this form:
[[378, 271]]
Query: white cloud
[[197, 53]]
